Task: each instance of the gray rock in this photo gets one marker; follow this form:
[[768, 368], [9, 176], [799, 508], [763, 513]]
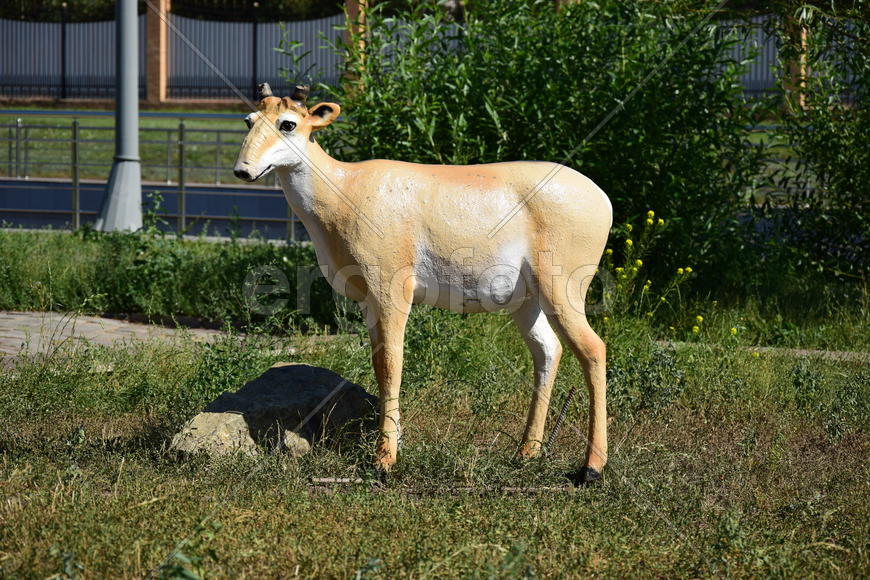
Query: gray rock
[[289, 407]]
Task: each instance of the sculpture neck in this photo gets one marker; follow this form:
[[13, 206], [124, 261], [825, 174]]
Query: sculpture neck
[[312, 187]]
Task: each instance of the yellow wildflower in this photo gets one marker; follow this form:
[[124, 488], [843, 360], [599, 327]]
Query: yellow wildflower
[[679, 271], [629, 227], [696, 329], [699, 318], [629, 243], [606, 318], [638, 263], [688, 269], [755, 354], [661, 222], [733, 331], [619, 270], [663, 299], [608, 251], [649, 222], [650, 214]]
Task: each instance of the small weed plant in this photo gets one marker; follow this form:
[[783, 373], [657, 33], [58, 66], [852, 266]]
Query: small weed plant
[[625, 291]]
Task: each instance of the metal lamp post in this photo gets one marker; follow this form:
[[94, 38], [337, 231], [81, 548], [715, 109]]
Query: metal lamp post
[[122, 208]]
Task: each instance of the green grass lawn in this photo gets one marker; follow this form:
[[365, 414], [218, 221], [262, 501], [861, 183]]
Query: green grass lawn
[[724, 460], [721, 463]]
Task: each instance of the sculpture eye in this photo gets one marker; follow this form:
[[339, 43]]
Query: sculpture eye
[[248, 122], [287, 126]]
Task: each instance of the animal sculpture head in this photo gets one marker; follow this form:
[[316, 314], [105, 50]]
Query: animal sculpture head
[[279, 132]]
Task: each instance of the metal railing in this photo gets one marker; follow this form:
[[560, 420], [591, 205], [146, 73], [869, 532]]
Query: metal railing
[[186, 155]]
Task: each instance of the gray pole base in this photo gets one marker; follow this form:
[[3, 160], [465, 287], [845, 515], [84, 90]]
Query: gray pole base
[[122, 209]]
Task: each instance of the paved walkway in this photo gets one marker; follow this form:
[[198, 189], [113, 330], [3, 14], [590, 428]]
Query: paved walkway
[[838, 355], [31, 333]]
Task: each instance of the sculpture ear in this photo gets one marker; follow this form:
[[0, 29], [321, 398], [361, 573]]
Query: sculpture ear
[[322, 114]]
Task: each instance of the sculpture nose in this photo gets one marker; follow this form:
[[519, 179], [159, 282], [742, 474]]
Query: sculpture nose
[[242, 174]]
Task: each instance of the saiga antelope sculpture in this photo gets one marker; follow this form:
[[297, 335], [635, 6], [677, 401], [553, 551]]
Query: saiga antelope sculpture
[[522, 236]]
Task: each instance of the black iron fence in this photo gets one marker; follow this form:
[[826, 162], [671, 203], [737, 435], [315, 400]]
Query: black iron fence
[[66, 59], [77, 59], [245, 53], [62, 59]]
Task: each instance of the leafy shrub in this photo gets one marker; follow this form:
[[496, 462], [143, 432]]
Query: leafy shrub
[[625, 288], [521, 80], [841, 407], [806, 385], [154, 274], [826, 227], [191, 560], [644, 384]]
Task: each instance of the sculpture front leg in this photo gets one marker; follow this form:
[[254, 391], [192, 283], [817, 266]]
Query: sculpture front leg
[[387, 335]]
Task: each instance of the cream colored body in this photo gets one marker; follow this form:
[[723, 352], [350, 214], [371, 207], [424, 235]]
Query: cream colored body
[[390, 234]]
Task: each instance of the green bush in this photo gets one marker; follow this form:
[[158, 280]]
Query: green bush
[[644, 384], [521, 80], [158, 275], [827, 227]]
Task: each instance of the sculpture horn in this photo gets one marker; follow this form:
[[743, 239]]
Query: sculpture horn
[[300, 93], [263, 91]]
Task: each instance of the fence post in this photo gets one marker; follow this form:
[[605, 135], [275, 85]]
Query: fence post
[[9, 151], [796, 68], [18, 124], [63, 20], [182, 206], [356, 11], [254, 52], [26, 153], [168, 155], [217, 160], [76, 204], [156, 53]]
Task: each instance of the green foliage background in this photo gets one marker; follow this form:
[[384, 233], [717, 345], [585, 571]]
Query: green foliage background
[[830, 136], [521, 80], [646, 99]]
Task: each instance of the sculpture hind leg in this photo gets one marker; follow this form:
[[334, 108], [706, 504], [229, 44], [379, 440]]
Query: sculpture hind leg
[[565, 306], [591, 351], [546, 353]]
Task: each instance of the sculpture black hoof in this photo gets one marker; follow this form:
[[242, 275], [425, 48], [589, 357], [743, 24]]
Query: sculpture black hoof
[[585, 476], [380, 476]]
